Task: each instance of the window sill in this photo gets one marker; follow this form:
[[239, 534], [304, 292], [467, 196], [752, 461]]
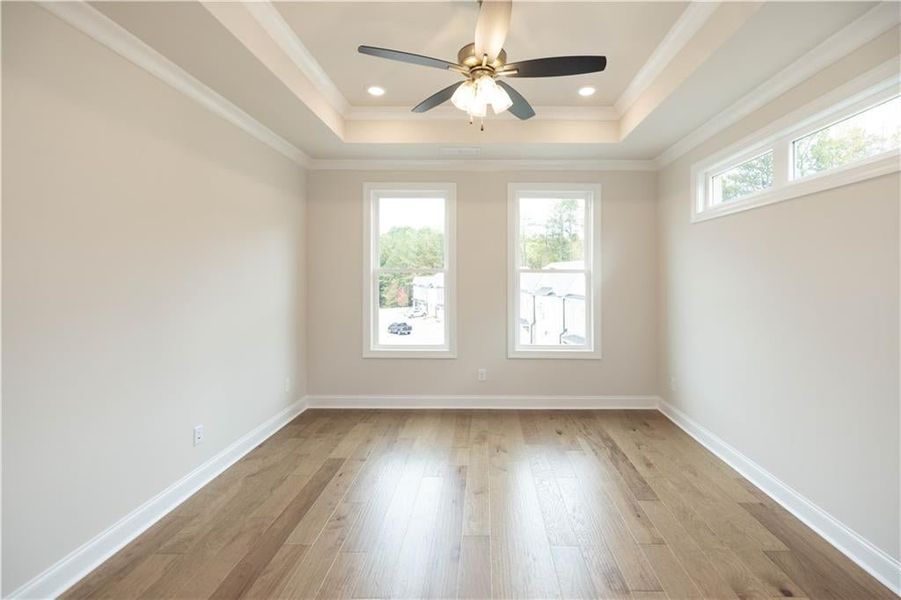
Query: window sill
[[415, 353], [874, 167], [555, 354]]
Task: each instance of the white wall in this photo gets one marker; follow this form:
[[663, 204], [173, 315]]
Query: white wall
[[334, 265], [152, 278], [780, 326]]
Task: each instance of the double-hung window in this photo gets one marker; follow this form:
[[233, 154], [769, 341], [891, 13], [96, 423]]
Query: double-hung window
[[554, 281], [408, 276]]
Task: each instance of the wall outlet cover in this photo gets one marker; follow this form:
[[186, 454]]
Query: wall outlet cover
[[198, 435]]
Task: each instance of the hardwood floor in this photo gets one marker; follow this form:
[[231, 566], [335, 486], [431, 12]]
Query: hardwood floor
[[479, 504]]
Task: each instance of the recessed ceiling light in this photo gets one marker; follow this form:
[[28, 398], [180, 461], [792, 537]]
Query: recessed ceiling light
[[586, 91], [375, 90]]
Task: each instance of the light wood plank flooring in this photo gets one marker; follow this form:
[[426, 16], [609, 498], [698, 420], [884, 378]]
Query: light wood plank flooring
[[479, 504]]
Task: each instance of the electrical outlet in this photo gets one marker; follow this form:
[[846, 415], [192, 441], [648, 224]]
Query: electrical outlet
[[287, 384], [198, 435], [483, 374], [672, 384]]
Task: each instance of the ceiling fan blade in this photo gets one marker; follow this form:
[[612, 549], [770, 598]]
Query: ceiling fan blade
[[557, 66], [520, 109], [491, 28], [437, 98], [415, 59]]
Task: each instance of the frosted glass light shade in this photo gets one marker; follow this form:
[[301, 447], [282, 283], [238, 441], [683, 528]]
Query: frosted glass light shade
[[501, 100], [463, 96], [478, 107], [474, 97]]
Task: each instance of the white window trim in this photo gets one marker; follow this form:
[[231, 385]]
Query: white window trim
[[592, 257], [870, 89], [371, 192]]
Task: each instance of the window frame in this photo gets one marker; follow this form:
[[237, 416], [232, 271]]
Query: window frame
[[372, 192], [592, 270], [779, 138]]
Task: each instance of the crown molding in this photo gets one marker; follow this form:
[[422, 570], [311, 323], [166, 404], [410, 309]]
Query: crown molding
[[683, 30], [480, 165], [865, 28], [450, 113], [688, 23], [107, 32], [274, 24]]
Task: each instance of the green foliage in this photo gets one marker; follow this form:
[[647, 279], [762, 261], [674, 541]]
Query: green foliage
[[405, 248], [747, 178], [823, 150], [560, 241]]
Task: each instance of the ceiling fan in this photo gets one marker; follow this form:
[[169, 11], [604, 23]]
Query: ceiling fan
[[484, 62]]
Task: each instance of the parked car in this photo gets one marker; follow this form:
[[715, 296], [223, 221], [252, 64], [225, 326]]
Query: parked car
[[400, 328]]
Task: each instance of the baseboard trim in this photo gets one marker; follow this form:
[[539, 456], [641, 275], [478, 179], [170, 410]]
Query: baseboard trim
[[870, 558], [69, 570], [492, 402], [59, 577]]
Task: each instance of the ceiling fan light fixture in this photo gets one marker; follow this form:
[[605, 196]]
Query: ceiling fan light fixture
[[501, 100], [463, 96], [481, 61], [489, 92], [478, 108], [474, 97]]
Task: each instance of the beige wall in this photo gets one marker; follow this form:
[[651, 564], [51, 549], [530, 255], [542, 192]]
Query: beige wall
[[334, 264], [780, 326], [154, 276], [152, 258]]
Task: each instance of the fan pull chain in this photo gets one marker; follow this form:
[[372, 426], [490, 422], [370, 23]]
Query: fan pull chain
[[481, 122]]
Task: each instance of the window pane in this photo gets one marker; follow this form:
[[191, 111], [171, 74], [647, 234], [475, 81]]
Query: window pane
[[874, 131], [552, 233], [743, 180], [411, 309], [411, 233], [552, 309]]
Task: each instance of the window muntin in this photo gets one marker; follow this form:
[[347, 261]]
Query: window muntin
[[744, 179], [868, 133], [553, 286], [409, 274]]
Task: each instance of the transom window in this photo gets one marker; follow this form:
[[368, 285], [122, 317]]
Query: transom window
[[409, 270], [855, 138], [751, 176], [554, 280], [873, 131]]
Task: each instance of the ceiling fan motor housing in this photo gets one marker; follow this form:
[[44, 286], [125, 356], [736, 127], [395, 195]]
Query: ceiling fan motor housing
[[467, 57]]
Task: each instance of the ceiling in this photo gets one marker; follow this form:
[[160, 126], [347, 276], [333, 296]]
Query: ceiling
[[626, 33], [672, 66]]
